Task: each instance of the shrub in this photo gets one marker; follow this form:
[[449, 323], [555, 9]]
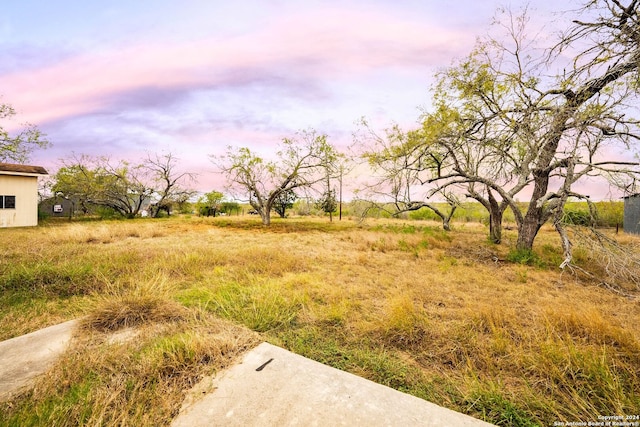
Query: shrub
[[524, 256]]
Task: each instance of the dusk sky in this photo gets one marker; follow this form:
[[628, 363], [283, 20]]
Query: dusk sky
[[123, 78]]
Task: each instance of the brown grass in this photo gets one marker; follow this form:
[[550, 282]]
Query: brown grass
[[441, 315], [146, 302], [139, 375]]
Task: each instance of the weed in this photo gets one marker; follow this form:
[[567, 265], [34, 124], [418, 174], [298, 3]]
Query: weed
[[521, 275], [447, 262], [146, 302], [404, 325], [524, 256]]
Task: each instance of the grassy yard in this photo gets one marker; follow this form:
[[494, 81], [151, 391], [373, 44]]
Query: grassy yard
[[443, 316]]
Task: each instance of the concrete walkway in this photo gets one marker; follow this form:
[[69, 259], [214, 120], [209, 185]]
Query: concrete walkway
[[23, 358], [274, 387], [270, 387]]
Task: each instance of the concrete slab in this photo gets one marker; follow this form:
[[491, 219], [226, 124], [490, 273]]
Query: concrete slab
[[274, 387], [25, 357]]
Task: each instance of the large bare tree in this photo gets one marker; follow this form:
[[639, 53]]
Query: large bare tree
[[170, 184], [509, 118], [300, 163]]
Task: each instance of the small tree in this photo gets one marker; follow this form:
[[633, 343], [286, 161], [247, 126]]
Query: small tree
[[182, 201], [229, 207], [210, 204], [167, 182], [283, 202], [328, 203], [299, 164], [17, 148]]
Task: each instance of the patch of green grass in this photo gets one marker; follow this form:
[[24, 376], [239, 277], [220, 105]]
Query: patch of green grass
[[551, 255], [413, 247], [590, 382], [50, 279], [525, 257], [490, 404], [411, 229], [70, 402], [260, 307], [22, 312]]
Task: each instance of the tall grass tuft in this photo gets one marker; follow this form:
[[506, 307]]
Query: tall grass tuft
[[122, 307], [403, 324], [261, 308]]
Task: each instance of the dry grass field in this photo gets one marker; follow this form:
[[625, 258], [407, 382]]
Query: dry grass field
[[443, 316]]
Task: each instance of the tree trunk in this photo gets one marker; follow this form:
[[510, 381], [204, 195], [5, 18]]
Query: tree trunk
[[533, 220], [496, 210], [446, 219], [495, 225], [265, 214], [527, 233]]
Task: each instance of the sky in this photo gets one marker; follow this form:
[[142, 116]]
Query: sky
[[125, 78]]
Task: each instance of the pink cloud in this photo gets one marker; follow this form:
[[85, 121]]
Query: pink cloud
[[321, 44]]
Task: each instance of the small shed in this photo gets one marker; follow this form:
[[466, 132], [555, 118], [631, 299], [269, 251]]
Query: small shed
[[632, 214], [19, 194], [57, 206]]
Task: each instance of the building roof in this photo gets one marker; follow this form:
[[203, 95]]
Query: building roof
[[13, 169], [631, 195]]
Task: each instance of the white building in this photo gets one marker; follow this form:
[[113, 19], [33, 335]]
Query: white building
[[19, 194]]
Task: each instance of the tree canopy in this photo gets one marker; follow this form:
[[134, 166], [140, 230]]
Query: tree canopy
[[125, 187], [515, 119], [17, 147], [299, 163]]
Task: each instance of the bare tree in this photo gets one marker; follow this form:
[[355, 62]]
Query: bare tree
[[299, 164], [168, 183], [502, 124], [399, 162], [17, 147]]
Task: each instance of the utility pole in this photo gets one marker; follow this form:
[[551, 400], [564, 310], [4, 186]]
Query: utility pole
[[340, 203]]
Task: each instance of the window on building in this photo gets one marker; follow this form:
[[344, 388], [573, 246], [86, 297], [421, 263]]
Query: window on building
[[7, 202]]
